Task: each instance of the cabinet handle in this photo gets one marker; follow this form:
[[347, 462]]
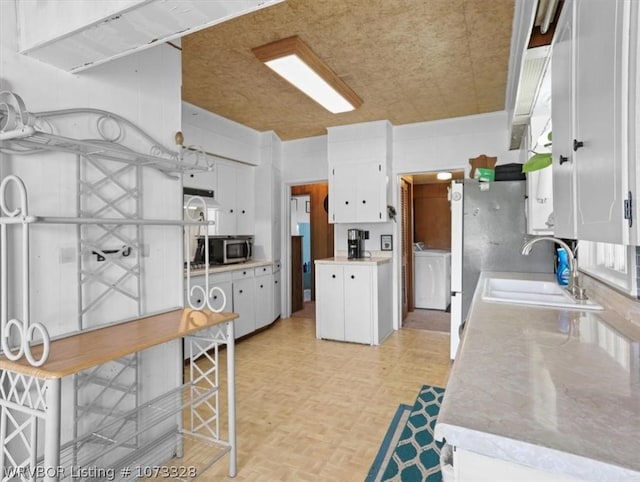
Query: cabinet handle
[[198, 301], [261, 286], [346, 202], [364, 201], [333, 275], [276, 281], [243, 211], [563, 159], [353, 277], [215, 297], [577, 145], [244, 273], [192, 175], [230, 210], [240, 291]]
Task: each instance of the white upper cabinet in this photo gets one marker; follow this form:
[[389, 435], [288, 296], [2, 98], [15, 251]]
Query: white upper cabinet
[[200, 180], [562, 118], [235, 194], [359, 167], [591, 119], [358, 193], [600, 158]]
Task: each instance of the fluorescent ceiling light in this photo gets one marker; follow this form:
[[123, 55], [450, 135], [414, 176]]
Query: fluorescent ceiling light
[[293, 60], [443, 176]]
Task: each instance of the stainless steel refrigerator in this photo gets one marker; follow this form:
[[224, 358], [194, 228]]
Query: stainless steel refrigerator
[[488, 229]]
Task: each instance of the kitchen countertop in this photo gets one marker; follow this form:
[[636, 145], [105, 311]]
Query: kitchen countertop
[[375, 260], [553, 389], [230, 267]]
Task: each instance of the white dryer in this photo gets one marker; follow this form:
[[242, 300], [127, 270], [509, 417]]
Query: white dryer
[[432, 279]]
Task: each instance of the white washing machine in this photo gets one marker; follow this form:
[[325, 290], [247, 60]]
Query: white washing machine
[[432, 279]]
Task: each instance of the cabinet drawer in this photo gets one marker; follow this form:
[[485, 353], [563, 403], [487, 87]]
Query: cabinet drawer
[[243, 273], [263, 270]]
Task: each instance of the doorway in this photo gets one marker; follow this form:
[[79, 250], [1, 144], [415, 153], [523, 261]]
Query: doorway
[[426, 250], [311, 239]]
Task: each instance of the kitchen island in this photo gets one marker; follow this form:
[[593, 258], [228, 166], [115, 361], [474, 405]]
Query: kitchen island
[[353, 299], [543, 394]]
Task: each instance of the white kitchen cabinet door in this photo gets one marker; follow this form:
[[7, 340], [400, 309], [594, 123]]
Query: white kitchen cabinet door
[[277, 295], [358, 313], [330, 302], [263, 300], [276, 225], [245, 199], [244, 305], [226, 196], [236, 197], [371, 191], [599, 125], [358, 193], [562, 120], [342, 193], [200, 180]]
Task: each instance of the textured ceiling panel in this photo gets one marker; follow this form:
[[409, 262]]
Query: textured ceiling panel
[[409, 60]]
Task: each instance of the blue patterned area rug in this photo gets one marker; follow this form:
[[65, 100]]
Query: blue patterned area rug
[[416, 456]]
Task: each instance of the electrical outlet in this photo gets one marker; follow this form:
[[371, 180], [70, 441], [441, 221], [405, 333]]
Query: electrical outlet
[[67, 255]]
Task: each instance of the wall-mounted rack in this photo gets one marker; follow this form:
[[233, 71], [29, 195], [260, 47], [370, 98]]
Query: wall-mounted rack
[[23, 132]]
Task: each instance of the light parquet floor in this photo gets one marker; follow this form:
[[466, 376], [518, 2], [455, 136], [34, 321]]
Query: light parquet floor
[[315, 410]]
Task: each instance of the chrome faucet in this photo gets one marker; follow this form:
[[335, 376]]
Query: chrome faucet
[[574, 288]]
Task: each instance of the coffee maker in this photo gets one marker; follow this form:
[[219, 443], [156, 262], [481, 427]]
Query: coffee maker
[[355, 243]]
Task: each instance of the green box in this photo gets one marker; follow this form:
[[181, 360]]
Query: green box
[[484, 174]]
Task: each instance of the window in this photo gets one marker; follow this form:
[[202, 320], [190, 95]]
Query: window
[[613, 264]]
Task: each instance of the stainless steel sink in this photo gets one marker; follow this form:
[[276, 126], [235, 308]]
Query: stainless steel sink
[[531, 292]]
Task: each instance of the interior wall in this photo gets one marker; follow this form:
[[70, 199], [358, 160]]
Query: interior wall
[[432, 215], [321, 231], [144, 88]]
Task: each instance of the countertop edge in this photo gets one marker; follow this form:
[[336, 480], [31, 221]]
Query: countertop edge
[[362, 261], [230, 267], [546, 459]]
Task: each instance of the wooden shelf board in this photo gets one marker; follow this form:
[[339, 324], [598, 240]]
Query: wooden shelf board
[[85, 350]]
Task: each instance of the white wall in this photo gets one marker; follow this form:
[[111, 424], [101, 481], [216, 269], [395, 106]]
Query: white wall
[[305, 160], [450, 143], [144, 88], [220, 136]]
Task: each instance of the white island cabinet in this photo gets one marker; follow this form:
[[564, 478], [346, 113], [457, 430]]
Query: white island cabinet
[[538, 394], [353, 300]]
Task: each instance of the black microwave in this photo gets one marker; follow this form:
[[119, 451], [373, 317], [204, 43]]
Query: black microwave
[[224, 249]]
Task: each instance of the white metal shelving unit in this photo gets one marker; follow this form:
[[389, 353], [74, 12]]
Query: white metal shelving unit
[[109, 213]]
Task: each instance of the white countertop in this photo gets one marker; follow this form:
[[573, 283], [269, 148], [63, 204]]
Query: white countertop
[[553, 389], [229, 267], [374, 260]]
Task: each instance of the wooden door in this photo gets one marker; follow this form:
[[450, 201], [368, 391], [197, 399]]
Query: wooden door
[[321, 230], [407, 246]]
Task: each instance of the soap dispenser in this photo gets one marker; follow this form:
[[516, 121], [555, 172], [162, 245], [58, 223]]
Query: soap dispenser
[[563, 272]]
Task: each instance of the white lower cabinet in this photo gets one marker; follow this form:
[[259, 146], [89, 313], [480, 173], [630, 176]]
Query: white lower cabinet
[[197, 295], [244, 302], [277, 293], [264, 296], [353, 302], [253, 293], [472, 467]]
